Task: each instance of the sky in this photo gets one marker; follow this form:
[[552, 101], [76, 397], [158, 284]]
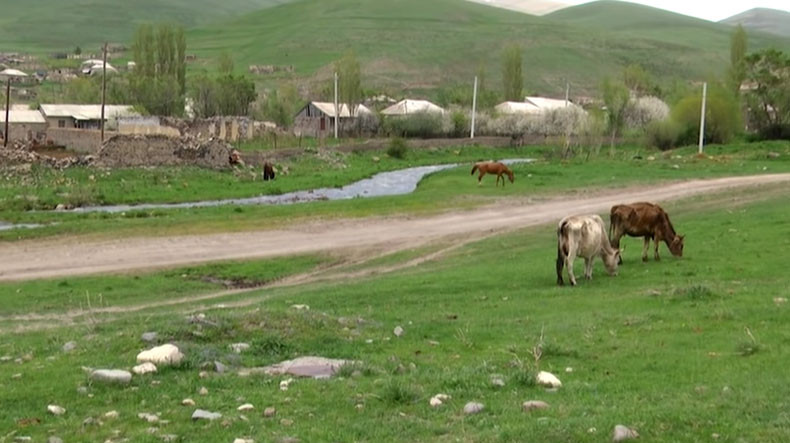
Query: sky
[[713, 10]]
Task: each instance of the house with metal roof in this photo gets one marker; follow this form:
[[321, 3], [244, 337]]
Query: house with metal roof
[[318, 118], [23, 123], [409, 107], [84, 116]]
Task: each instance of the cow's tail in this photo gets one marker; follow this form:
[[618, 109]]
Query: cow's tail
[[474, 168], [562, 250]]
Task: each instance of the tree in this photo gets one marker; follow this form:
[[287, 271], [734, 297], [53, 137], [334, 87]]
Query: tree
[[349, 81], [638, 80], [768, 100], [158, 82], [225, 63], [222, 95], [722, 115], [280, 105], [615, 97], [736, 73], [512, 78], [77, 51]]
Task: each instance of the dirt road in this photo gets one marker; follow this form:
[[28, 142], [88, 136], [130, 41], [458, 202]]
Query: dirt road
[[41, 258]]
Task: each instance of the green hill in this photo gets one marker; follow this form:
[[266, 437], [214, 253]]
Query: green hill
[[60, 25], [767, 20]]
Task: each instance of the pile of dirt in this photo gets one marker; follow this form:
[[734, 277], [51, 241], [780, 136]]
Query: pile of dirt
[[24, 152], [160, 150]]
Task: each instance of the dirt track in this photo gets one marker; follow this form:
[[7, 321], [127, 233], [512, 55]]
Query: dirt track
[[41, 259]]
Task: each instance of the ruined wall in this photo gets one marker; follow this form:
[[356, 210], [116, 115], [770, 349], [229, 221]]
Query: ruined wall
[[25, 131], [145, 126], [160, 150], [79, 140], [229, 129]]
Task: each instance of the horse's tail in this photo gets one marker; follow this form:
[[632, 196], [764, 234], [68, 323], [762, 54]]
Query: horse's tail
[[474, 168]]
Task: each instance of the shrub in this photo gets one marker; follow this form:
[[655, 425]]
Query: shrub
[[460, 124], [723, 116], [424, 125], [662, 134], [645, 110], [397, 148]]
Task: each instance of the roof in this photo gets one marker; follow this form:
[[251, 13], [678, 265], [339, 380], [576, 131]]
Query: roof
[[12, 73], [329, 109], [408, 106], [87, 112], [16, 116], [517, 108], [547, 104]]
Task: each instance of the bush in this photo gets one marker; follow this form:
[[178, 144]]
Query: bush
[[662, 134], [723, 116], [398, 148], [645, 110], [460, 124], [422, 125]]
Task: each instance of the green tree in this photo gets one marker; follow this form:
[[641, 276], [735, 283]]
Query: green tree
[[77, 51], [158, 82], [768, 100], [280, 105], [736, 73], [616, 98], [722, 115], [638, 80], [349, 80], [225, 63], [181, 58], [512, 77]]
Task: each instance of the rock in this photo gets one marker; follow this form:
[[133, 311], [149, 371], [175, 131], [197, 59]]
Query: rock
[[498, 382], [398, 331], [239, 347], [203, 374], [315, 367], [774, 155], [300, 307], [145, 368], [69, 346], [150, 418], [780, 300], [56, 410], [286, 422], [569, 369], [149, 337], [219, 368], [650, 158], [111, 415], [203, 391], [269, 412], [243, 440], [532, 405], [23, 438], [473, 408], [82, 390], [111, 376], [168, 438], [376, 159], [187, 402], [548, 379], [675, 166], [161, 355], [53, 439], [285, 383], [438, 399], [200, 414], [60, 207], [622, 433], [245, 407]]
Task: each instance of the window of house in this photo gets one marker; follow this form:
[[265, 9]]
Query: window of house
[[61, 123]]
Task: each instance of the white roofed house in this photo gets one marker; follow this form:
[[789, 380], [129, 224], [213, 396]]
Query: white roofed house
[[409, 107], [534, 106], [84, 116], [23, 124], [319, 118]]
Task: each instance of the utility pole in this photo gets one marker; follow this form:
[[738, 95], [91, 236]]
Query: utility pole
[[474, 109], [702, 117], [103, 89], [567, 93], [7, 108], [337, 111]]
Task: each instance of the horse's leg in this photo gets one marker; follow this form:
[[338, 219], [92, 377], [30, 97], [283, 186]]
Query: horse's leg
[[645, 248], [480, 177]]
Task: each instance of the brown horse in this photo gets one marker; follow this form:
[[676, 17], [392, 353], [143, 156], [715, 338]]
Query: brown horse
[[492, 168]]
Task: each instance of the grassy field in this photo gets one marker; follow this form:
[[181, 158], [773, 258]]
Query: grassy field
[[42, 189], [690, 349]]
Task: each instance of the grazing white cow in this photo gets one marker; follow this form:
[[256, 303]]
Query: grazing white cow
[[584, 236]]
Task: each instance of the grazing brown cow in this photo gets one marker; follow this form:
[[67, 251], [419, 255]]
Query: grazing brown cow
[[584, 236], [646, 220], [268, 171], [492, 168]]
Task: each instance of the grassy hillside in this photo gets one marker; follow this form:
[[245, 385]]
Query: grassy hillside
[[412, 44], [48, 25], [767, 20]]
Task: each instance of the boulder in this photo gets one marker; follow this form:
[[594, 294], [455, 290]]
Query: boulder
[[161, 355], [111, 376]]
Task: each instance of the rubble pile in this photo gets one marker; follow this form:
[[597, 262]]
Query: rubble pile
[[21, 152]]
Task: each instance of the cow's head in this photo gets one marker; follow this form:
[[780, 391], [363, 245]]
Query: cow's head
[[611, 261], [676, 245]]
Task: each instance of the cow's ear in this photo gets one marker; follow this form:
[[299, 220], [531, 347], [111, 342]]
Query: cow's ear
[[682, 237]]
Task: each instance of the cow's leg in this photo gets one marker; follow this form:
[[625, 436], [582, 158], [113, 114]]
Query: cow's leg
[[560, 264], [569, 264], [657, 240], [588, 265], [645, 248], [617, 235]]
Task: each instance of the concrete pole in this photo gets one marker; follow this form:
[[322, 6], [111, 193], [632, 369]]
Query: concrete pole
[[337, 111], [474, 109], [7, 108], [103, 90], [702, 117], [567, 93]]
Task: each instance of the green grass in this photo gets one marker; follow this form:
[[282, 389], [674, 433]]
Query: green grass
[[678, 349], [43, 188]]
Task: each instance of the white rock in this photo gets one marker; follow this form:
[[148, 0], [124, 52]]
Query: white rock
[[56, 410], [243, 440], [301, 307], [167, 438], [111, 414], [498, 382], [569, 369], [53, 439], [285, 383], [69, 346], [269, 412], [245, 407], [188, 402], [548, 379], [150, 418], [111, 376], [473, 408], [145, 368], [203, 391], [398, 331], [239, 347], [438, 399], [200, 414], [622, 433], [161, 355], [531, 405], [149, 336]]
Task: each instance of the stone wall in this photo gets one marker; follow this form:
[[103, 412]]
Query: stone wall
[[79, 140], [161, 150], [25, 131]]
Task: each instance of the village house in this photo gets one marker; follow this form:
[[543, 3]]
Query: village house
[[409, 107], [533, 106], [318, 118], [23, 124], [84, 116]]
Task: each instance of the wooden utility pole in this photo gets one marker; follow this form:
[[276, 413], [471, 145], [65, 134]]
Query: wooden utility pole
[[7, 108], [337, 111], [474, 109], [702, 117], [103, 90]]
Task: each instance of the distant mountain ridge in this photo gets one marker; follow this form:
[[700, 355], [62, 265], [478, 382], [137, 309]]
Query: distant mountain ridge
[[772, 21]]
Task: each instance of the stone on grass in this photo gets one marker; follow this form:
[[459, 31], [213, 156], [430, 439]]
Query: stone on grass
[[203, 390], [532, 405], [188, 402], [243, 440], [56, 410], [53, 439], [285, 383], [239, 347], [111, 414], [69, 346], [301, 307], [168, 438], [245, 407], [398, 331], [498, 382], [219, 368], [111, 376], [473, 408], [149, 336], [438, 399], [315, 367], [145, 368], [269, 412], [200, 414], [548, 379], [23, 438], [167, 354], [150, 418], [286, 422], [623, 433]]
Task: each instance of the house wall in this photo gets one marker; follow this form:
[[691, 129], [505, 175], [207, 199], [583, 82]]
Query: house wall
[[25, 131], [81, 140], [54, 122]]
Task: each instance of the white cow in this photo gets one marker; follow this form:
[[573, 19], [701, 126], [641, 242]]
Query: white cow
[[584, 236]]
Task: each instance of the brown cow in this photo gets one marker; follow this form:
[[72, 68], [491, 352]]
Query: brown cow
[[646, 220], [268, 171], [584, 236]]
